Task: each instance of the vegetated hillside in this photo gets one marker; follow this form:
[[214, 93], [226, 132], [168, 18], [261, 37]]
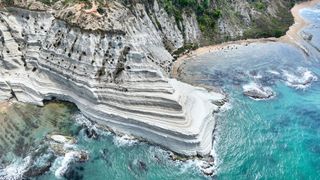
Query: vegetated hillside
[[223, 20], [218, 20]]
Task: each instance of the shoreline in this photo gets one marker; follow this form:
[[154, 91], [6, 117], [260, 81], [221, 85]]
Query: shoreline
[[291, 37]]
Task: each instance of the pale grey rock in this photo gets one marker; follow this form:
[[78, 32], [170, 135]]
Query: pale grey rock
[[192, 31], [257, 91]]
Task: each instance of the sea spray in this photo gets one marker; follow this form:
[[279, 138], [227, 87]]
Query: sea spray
[[300, 79]]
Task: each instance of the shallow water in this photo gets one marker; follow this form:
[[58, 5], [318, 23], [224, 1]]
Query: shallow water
[[269, 139], [110, 156], [277, 138]]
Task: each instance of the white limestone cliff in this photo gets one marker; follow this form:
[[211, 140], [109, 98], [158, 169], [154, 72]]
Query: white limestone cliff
[[116, 74]]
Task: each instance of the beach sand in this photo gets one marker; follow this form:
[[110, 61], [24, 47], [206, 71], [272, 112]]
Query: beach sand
[[292, 37]]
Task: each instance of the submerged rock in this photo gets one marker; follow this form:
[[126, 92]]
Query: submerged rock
[[137, 167], [306, 36], [256, 91]]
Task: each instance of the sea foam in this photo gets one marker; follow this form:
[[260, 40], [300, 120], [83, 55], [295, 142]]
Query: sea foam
[[302, 79]]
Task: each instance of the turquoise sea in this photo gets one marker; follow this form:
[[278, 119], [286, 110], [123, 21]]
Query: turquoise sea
[[278, 138]]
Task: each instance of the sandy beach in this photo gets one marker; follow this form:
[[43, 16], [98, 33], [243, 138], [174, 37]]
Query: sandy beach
[[300, 22], [290, 37]]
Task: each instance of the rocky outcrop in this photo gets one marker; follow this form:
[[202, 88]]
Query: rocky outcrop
[[116, 77], [257, 91]]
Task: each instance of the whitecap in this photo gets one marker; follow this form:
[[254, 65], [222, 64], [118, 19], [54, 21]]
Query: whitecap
[[198, 164], [124, 140], [273, 72], [16, 170], [82, 120], [299, 80], [65, 162], [227, 106]]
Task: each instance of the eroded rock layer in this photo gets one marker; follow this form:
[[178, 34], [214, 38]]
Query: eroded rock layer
[[116, 76]]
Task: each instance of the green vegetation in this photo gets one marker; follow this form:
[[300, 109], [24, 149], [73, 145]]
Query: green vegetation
[[208, 12], [7, 2], [206, 16], [259, 5], [48, 2], [270, 27], [185, 48]]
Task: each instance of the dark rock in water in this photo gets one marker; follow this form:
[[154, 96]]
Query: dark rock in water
[[306, 36], [72, 174], [94, 134], [44, 159], [91, 133], [83, 156], [80, 168], [142, 166], [138, 167], [157, 158]]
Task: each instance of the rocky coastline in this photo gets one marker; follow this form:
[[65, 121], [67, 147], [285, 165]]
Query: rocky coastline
[[114, 65], [116, 77]]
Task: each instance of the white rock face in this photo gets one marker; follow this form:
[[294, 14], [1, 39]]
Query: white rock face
[[115, 77]]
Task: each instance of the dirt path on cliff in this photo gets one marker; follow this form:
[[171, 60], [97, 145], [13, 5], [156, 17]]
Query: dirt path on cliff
[[292, 36]]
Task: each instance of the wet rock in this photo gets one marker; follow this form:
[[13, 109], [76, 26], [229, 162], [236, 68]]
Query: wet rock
[[65, 170], [208, 171], [142, 166], [256, 91], [91, 133], [72, 174], [63, 139], [157, 158], [83, 156]]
